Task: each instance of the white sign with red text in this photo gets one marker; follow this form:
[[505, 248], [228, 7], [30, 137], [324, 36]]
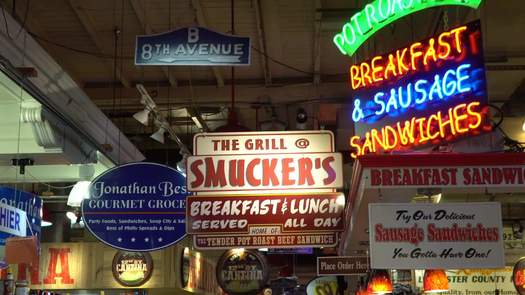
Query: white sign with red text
[[268, 142], [272, 172], [436, 236], [475, 176]]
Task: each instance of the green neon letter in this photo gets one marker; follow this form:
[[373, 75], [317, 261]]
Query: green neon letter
[[380, 13]]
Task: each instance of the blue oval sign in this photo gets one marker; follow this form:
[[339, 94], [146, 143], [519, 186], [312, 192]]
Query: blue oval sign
[[137, 207]]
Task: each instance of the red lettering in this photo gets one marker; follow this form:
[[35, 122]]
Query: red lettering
[[250, 175], [214, 176], [397, 177], [269, 166], [287, 170], [52, 275], [375, 177], [386, 176], [305, 171], [199, 178], [33, 272], [237, 173]]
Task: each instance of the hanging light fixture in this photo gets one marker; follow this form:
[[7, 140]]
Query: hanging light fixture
[[79, 192], [46, 217], [434, 281], [143, 116], [380, 282], [159, 134]]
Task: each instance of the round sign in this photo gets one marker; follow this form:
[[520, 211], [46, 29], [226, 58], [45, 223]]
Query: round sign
[[518, 276], [132, 269], [242, 272], [137, 207], [322, 286]]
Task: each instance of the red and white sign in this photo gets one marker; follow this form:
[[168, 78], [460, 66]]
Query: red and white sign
[[210, 242], [475, 176], [436, 236], [272, 172], [269, 142], [264, 215]]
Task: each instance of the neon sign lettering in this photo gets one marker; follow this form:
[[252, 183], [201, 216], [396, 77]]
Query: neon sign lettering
[[380, 13], [450, 84], [429, 92], [407, 60], [460, 119]]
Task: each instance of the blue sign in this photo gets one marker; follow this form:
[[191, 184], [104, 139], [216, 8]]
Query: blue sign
[[137, 207], [193, 46], [27, 202]]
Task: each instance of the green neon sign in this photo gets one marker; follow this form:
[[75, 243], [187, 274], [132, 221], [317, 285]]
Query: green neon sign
[[380, 13]]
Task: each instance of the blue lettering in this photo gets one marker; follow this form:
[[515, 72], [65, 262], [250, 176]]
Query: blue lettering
[[3, 215], [391, 101], [421, 90], [405, 104], [462, 77], [17, 221], [436, 88], [379, 102], [11, 219], [449, 87]]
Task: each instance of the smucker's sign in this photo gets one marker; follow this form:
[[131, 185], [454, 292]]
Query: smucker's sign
[[242, 272], [429, 236], [258, 161]]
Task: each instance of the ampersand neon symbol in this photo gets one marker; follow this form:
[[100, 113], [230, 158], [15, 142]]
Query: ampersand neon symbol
[[357, 113]]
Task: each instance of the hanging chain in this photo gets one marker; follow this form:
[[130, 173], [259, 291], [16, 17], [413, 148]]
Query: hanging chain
[[445, 20]]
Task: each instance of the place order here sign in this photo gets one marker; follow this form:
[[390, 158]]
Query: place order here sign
[[264, 189]]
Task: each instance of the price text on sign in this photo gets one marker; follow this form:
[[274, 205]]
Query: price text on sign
[[269, 214], [264, 172], [266, 241], [342, 265], [271, 142], [430, 236]]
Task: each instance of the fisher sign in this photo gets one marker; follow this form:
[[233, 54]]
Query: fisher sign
[[193, 46], [137, 207], [12, 220], [430, 92], [436, 236]]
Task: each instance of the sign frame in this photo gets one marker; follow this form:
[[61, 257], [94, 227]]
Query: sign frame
[[340, 272], [179, 196], [425, 235], [147, 275], [178, 41]]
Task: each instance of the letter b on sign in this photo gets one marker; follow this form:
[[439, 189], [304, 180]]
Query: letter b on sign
[[193, 35]]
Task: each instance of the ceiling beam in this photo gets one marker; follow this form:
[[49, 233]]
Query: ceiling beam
[[33, 26], [262, 42], [271, 26], [201, 20], [88, 24], [141, 14], [317, 42]]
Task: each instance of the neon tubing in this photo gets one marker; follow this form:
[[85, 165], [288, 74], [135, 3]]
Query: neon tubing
[[380, 13]]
